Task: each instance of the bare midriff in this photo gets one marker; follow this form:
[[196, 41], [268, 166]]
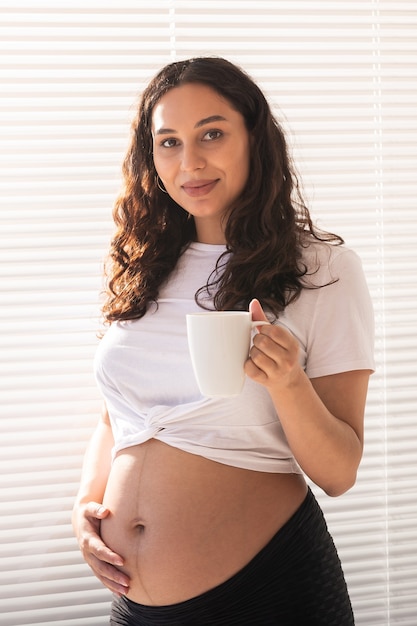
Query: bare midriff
[[185, 524]]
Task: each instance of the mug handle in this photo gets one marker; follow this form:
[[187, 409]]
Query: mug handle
[[260, 323]]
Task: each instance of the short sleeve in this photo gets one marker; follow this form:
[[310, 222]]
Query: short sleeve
[[340, 337]]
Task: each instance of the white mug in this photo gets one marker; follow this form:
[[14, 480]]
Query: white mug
[[219, 344]]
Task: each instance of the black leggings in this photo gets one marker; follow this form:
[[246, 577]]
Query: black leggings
[[295, 580]]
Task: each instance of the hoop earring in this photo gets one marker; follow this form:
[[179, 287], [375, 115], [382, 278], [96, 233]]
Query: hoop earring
[[160, 185]]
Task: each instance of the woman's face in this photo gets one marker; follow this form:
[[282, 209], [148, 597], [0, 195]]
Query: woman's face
[[201, 154]]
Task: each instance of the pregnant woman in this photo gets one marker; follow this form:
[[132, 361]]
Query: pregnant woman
[[195, 510]]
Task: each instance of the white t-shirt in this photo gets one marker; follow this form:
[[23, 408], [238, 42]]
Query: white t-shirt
[[144, 370]]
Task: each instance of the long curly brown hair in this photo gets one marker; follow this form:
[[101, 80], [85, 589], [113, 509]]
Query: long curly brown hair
[[266, 228]]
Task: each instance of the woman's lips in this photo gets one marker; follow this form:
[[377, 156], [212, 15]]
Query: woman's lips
[[198, 188]]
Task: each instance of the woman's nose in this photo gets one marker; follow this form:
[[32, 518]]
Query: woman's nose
[[191, 158]]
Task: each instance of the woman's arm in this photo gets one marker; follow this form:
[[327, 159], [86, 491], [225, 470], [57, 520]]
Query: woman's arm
[[88, 511], [322, 418]]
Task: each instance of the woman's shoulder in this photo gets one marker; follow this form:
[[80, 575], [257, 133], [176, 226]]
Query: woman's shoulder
[[326, 260]]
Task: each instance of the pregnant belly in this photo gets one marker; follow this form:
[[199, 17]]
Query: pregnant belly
[[185, 524]]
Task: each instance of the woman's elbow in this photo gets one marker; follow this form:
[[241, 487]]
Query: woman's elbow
[[338, 485]]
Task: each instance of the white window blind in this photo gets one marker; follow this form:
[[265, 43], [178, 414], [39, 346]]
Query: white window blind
[[341, 75]]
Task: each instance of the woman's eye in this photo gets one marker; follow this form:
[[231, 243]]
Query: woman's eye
[[169, 143], [212, 134]]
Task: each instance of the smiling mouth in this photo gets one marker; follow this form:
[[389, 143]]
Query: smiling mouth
[[199, 187]]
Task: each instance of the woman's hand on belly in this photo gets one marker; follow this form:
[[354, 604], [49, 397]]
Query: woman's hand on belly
[[103, 561]]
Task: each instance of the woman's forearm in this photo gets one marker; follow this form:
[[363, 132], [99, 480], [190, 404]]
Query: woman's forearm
[[96, 467], [323, 422]]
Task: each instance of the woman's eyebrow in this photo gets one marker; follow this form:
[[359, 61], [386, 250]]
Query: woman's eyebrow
[[209, 120], [203, 122]]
